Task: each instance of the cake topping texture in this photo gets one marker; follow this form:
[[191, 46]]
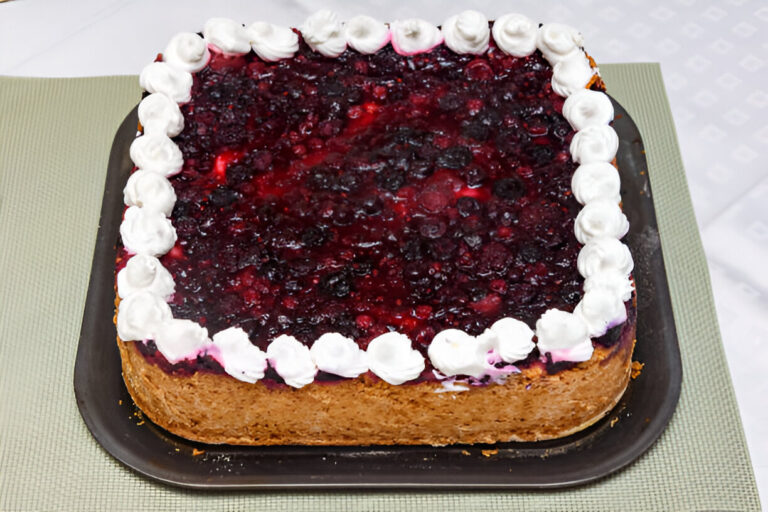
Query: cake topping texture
[[144, 272], [187, 51], [338, 355], [601, 309], [586, 107], [227, 36], [141, 314], [604, 254], [563, 335], [599, 219], [150, 190], [240, 358], [558, 42], [414, 36], [157, 153], [160, 114], [147, 231], [272, 42], [178, 339], [323, 33], [515, 34], [596, 143], [366, 35], [161, 77], [512, 339], [392, 358], [291, 360], [596, 180], [467, 32]]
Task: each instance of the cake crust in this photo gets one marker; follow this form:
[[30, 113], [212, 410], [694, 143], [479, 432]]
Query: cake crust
[[531, 406]]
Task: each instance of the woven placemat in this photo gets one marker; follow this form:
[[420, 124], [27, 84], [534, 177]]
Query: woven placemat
[[55, 136]]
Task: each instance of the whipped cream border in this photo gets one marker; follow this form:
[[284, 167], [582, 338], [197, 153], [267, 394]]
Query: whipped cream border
[[589, 118]]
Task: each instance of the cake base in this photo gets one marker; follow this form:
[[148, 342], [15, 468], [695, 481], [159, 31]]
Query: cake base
[[530, 406]]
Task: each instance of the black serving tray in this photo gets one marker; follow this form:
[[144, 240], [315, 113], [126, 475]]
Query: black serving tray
[[609, 445]]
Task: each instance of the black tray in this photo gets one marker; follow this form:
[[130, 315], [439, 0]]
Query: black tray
[[611, 444]]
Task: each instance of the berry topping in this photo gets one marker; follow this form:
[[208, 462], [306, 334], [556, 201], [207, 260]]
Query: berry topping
[[372, 193]]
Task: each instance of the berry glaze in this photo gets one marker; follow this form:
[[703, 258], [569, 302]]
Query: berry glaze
[[368, 193]]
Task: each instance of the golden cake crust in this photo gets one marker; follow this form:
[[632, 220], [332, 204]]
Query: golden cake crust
[[530, 406]]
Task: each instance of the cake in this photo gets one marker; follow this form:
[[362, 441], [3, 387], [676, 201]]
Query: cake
[[363, 233]]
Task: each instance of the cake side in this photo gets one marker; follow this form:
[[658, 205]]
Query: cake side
[[530, 406]]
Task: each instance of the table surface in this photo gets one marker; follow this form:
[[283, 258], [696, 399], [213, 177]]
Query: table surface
[[712, 55]]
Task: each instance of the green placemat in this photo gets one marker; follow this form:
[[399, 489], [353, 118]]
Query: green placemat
[[55, 136]]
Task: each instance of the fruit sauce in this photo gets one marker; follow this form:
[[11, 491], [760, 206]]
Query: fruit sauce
[[370, 193]]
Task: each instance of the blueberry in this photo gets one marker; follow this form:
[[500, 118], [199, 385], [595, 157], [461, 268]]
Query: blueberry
[[529, 253], [412, 250], [322, 178], [456, 157], [223, 196], [474, 176], [467, 206], [442, 249], [473, 241], [371, 205], [313, 236], [432, 228], [449, 102], [390, 179], [541, 155], [337, 284], [510, 189], [272, 271], [330, 87], [475, 129], [238, 173]]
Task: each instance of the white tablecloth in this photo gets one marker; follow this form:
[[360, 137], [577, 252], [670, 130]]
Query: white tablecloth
[[714, 57]]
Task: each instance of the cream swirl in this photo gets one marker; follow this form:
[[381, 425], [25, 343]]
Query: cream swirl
[[392, 358], [414, 35], [140, 314], [365, 34], [157, 153], [600, 309], [515, 34], [571, 74], [339, 355], [617, 284], [564, 335], [292, 361], [144, 273], [160, 114], [467, 32], [240, 358], [323, 33], [149, 190], [597, 143], [596, 180], [163, 78], [187, 51], [227, 35], [512, 339], [146, 231], [598, 219], [179, 339], [604, 254], [558, 42], [272, 42], [586, 108], [454, 352]]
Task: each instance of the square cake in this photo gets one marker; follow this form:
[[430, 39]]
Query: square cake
[[359, 233]]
